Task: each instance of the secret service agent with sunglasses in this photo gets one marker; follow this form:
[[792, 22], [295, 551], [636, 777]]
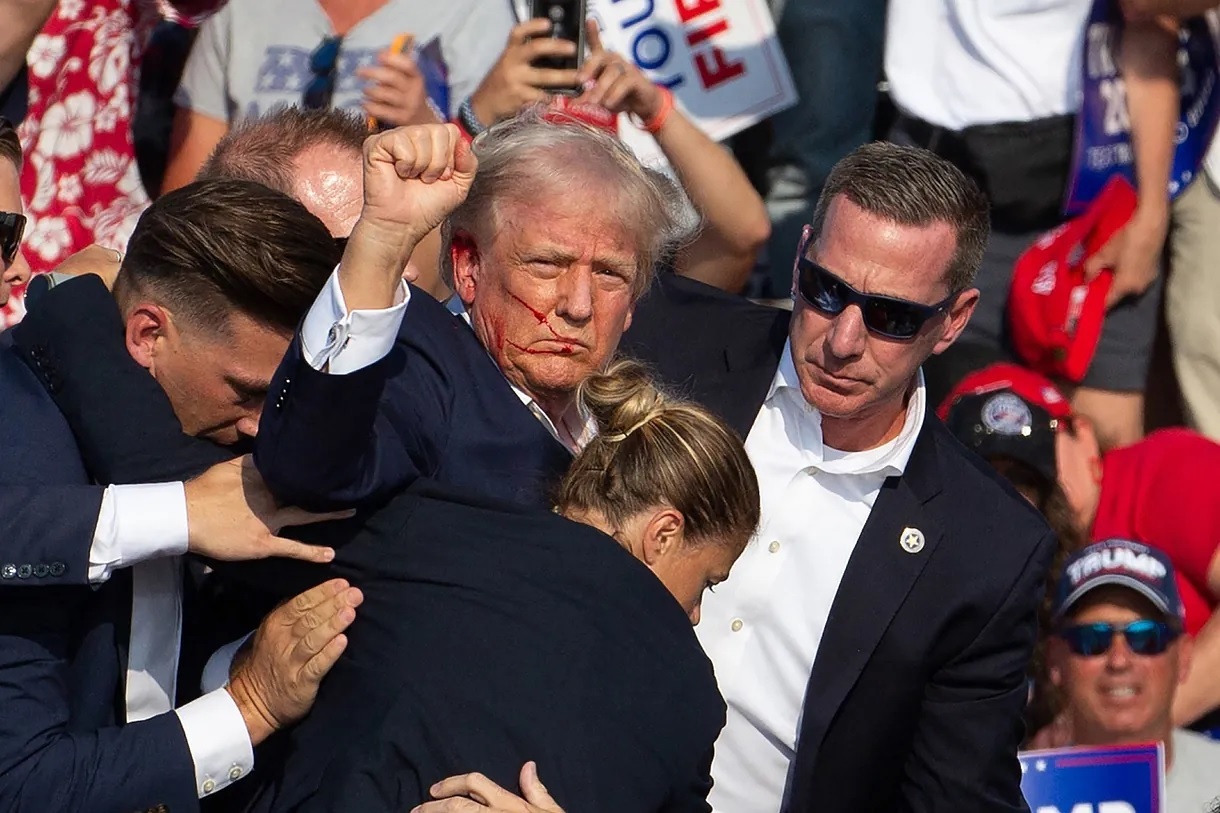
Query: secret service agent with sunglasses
[[872, 643], [1118, 656]]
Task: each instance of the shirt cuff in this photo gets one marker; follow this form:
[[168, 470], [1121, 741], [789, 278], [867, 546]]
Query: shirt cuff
[[217, 738], [216, 672], [338, 342], [137, 523]]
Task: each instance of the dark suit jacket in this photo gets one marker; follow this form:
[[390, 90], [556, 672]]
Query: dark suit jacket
[[915, 697], [62, 648], [491, 635], [437, 406]]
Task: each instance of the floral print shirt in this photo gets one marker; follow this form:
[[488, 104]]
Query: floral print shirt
[[80, 182]]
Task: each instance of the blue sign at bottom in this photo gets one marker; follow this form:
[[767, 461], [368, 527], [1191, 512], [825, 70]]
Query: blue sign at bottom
[[1123, 779]]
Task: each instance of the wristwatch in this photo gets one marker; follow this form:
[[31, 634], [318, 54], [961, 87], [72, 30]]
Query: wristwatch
[[468, 119]]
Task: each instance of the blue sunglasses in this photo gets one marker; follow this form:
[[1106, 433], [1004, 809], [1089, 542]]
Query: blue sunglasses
[[885, 316], [1144, 637]]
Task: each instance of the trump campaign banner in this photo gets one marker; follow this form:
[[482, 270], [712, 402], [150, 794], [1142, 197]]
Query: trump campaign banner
[[1122, 779], [720, 58], [1103, 127]]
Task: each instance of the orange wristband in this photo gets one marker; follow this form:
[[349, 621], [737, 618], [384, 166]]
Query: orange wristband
[[654, 124]]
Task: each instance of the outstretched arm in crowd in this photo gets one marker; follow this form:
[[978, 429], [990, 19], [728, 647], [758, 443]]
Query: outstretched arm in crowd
[[735, 223], [1148, 59], [23, 19]]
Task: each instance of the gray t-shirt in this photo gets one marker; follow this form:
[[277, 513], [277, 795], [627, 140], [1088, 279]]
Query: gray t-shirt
[[253, 55], [1193, 782]]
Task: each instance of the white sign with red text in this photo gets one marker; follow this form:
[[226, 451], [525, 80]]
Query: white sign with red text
[[720, 58]]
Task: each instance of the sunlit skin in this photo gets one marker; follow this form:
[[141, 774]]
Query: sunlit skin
[[1119, 696], [16, 272], [329, 182], [549, 294], [656, 536], [216, 381], [857, 381]]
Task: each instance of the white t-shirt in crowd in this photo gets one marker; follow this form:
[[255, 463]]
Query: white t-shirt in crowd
[[253, 55], [957, 63], [1192, 784]]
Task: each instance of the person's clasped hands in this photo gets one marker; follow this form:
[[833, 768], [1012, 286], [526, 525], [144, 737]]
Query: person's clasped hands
[[474, 792]]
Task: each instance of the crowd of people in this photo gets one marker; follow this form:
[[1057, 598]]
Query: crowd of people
[[380, 432]]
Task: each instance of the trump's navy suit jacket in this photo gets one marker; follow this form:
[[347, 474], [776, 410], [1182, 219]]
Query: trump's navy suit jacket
[[62, 644], [491, 635], [437, 406]]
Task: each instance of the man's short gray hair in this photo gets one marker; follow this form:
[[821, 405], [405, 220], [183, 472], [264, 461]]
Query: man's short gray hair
[[537, 152]]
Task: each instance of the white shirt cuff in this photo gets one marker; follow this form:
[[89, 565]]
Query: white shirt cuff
[[137, 523], [216, 672], [217, 738], [339, 342]]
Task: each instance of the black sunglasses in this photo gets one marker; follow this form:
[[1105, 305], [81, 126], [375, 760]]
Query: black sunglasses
[[1144, 637], [885, 316], [323, 63], [12, 227]]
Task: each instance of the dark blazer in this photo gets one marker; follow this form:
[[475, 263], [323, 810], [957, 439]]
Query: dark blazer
[[915, 697], [491, 635], [437, 406], [62, 648]]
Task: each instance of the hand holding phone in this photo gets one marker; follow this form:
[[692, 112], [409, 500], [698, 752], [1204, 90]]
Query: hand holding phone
[[567, 19]]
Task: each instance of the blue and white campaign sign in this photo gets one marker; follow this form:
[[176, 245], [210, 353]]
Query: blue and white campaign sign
[[1103, 128], [1121, 779], [720, 58]]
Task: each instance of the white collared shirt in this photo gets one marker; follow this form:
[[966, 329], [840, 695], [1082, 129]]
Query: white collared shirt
[[144, 527], [957, 63], [338, 341], [762, 627]]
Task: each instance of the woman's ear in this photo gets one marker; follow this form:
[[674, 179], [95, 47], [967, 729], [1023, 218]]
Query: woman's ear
[[663, 534]]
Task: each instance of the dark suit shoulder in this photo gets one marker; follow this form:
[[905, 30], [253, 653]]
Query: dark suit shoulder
[[676, 308]]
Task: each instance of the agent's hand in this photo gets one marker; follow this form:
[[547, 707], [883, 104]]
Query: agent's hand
[[617, 84], [94, 259], [474, 792], [232, 517], [396, 94], [514, 82], [276, 684]]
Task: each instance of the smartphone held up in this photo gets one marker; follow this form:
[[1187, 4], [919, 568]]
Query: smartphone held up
[[567, 19]]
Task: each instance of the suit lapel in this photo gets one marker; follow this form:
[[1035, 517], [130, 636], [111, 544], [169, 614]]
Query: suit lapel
[[879, 575]]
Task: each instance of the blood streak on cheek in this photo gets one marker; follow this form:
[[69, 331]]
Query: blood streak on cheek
[[542, 320]]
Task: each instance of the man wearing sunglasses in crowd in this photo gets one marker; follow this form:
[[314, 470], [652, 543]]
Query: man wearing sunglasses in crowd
[[1118, 657], [873, 640]]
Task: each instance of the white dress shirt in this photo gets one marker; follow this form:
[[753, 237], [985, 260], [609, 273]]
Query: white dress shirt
[[956, 63], [144, 527], [337, 341], [762, 627]]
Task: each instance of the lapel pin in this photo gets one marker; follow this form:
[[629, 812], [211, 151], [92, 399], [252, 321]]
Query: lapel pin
[[911, 540]]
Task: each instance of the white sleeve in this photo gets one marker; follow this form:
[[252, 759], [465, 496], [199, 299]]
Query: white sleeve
[[137, 523], [216, 671], [217, 738], [336, 341]]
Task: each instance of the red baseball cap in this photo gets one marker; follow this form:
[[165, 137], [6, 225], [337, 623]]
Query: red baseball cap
[[1007, 410], [1032, 387], [1054, 313]]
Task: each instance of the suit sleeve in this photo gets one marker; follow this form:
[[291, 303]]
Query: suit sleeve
[[47, 533], [964, 756], [329, 440], [691, 797], [44, 765], [124, 424]]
